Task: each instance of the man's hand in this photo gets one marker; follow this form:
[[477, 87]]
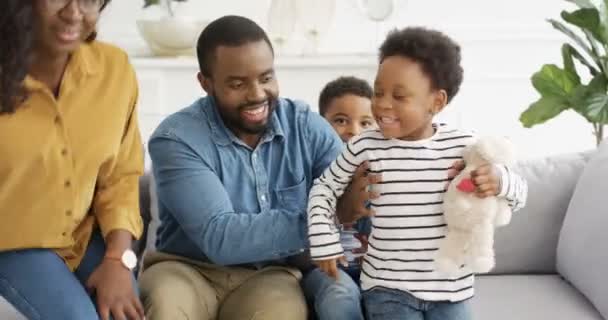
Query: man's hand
[[330, 266], [113, 287], [486, 178], [352, 205]]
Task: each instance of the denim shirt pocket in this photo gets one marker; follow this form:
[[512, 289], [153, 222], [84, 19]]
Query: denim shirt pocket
[[293, 197]]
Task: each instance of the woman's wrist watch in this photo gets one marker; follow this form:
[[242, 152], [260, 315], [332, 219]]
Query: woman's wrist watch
[[128, 259]]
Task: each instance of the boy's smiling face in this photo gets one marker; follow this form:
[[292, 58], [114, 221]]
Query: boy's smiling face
[[405, 101], [349, 115]]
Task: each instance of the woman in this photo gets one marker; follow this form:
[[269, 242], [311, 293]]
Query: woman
[[70, 160]]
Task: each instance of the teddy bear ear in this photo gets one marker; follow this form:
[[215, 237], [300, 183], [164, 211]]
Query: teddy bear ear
[[496, 149]]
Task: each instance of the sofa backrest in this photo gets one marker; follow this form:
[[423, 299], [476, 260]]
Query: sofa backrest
[[529, 243], [582, 252]]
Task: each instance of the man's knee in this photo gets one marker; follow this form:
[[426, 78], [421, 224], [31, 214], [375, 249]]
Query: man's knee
[[273, 295], [340, 300], [175, 290]]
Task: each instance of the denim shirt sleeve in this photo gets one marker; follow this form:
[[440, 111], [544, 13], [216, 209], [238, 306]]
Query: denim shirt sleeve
[[324, 142], [208, 218]]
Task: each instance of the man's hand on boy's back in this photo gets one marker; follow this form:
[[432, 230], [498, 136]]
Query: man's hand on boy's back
[[353, 204], [486, 178]]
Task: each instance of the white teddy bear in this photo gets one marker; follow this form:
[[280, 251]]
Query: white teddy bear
[[471, 220]]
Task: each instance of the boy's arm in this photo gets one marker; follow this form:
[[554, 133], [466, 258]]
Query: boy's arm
[[322, 230], [513, 187]]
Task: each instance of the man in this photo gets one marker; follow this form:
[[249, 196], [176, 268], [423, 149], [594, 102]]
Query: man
[[233, 172]]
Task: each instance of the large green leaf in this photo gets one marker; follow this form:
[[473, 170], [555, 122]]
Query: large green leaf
[[568, 49], [587, 19], [551, 81], [576, 38], [569, 62], [577, 101], [148, 3], [580, 98], [582, 3], [542, 110], [594, 104], [597, 108]]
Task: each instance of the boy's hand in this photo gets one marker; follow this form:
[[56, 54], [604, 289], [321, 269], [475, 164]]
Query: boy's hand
[[486, 178], [487, 181], [330, 266]]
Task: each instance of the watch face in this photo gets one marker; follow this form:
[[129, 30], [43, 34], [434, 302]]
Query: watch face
[[129, 259]]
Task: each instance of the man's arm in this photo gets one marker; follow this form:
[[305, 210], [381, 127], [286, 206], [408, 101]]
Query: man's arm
[[194, 195]]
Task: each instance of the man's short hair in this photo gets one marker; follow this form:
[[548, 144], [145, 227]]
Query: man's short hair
[[230, 31]]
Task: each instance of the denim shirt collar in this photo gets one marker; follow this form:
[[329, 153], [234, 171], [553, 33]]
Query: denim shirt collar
[[222, 136]]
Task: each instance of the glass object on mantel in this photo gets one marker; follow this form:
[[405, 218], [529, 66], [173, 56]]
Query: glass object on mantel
[[377, 11], [281, 22], [316, 16]]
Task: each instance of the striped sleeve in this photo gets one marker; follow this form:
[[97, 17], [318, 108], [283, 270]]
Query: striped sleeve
[[513, 187], [323, 233]]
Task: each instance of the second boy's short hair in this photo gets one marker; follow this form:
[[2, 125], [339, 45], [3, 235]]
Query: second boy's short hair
[[437, 54], [341, 87]]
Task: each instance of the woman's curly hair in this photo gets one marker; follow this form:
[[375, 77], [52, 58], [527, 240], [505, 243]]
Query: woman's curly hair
[[16, 28], [16, 31]]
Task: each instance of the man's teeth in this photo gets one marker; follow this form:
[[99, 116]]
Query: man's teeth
[[257, 110]]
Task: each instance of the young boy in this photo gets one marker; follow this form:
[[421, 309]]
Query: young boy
[[419, 74], [346, 103]]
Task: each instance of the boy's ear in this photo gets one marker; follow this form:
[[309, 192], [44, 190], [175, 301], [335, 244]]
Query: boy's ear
[[440, 100]]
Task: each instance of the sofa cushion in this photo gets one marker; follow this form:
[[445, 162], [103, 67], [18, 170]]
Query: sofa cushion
[[8, 312], [529, 243], [582, 254], [506, 297]]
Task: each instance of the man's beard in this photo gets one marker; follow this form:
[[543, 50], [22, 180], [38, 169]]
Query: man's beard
[[234, 121]]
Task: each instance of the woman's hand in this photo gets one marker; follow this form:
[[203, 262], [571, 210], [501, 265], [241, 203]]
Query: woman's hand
[[113, 287]]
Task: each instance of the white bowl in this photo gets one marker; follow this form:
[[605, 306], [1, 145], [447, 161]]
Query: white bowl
[[174, 36]]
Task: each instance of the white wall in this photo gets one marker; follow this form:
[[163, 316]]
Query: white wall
[[504, 43]]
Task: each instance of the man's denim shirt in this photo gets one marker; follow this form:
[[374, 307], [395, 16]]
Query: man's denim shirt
[[221, 201]]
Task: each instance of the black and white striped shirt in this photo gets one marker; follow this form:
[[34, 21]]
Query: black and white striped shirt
[[409, 223]]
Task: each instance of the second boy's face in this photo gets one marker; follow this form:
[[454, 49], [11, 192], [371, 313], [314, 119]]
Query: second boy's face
[[404, 101], [349, 115]]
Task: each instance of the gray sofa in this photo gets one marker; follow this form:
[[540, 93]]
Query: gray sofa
[[552, 259]]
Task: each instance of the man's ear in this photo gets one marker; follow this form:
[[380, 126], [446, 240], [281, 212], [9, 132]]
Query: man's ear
[[440, 100], [205, 83]]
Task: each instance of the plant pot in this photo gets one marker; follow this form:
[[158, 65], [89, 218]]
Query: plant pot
[[171, 36]]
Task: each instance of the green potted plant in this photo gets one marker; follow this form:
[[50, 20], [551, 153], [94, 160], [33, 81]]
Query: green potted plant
[[171, 34], [581, 84]]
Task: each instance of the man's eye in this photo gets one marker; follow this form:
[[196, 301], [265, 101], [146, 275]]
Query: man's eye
[[236, 85]]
